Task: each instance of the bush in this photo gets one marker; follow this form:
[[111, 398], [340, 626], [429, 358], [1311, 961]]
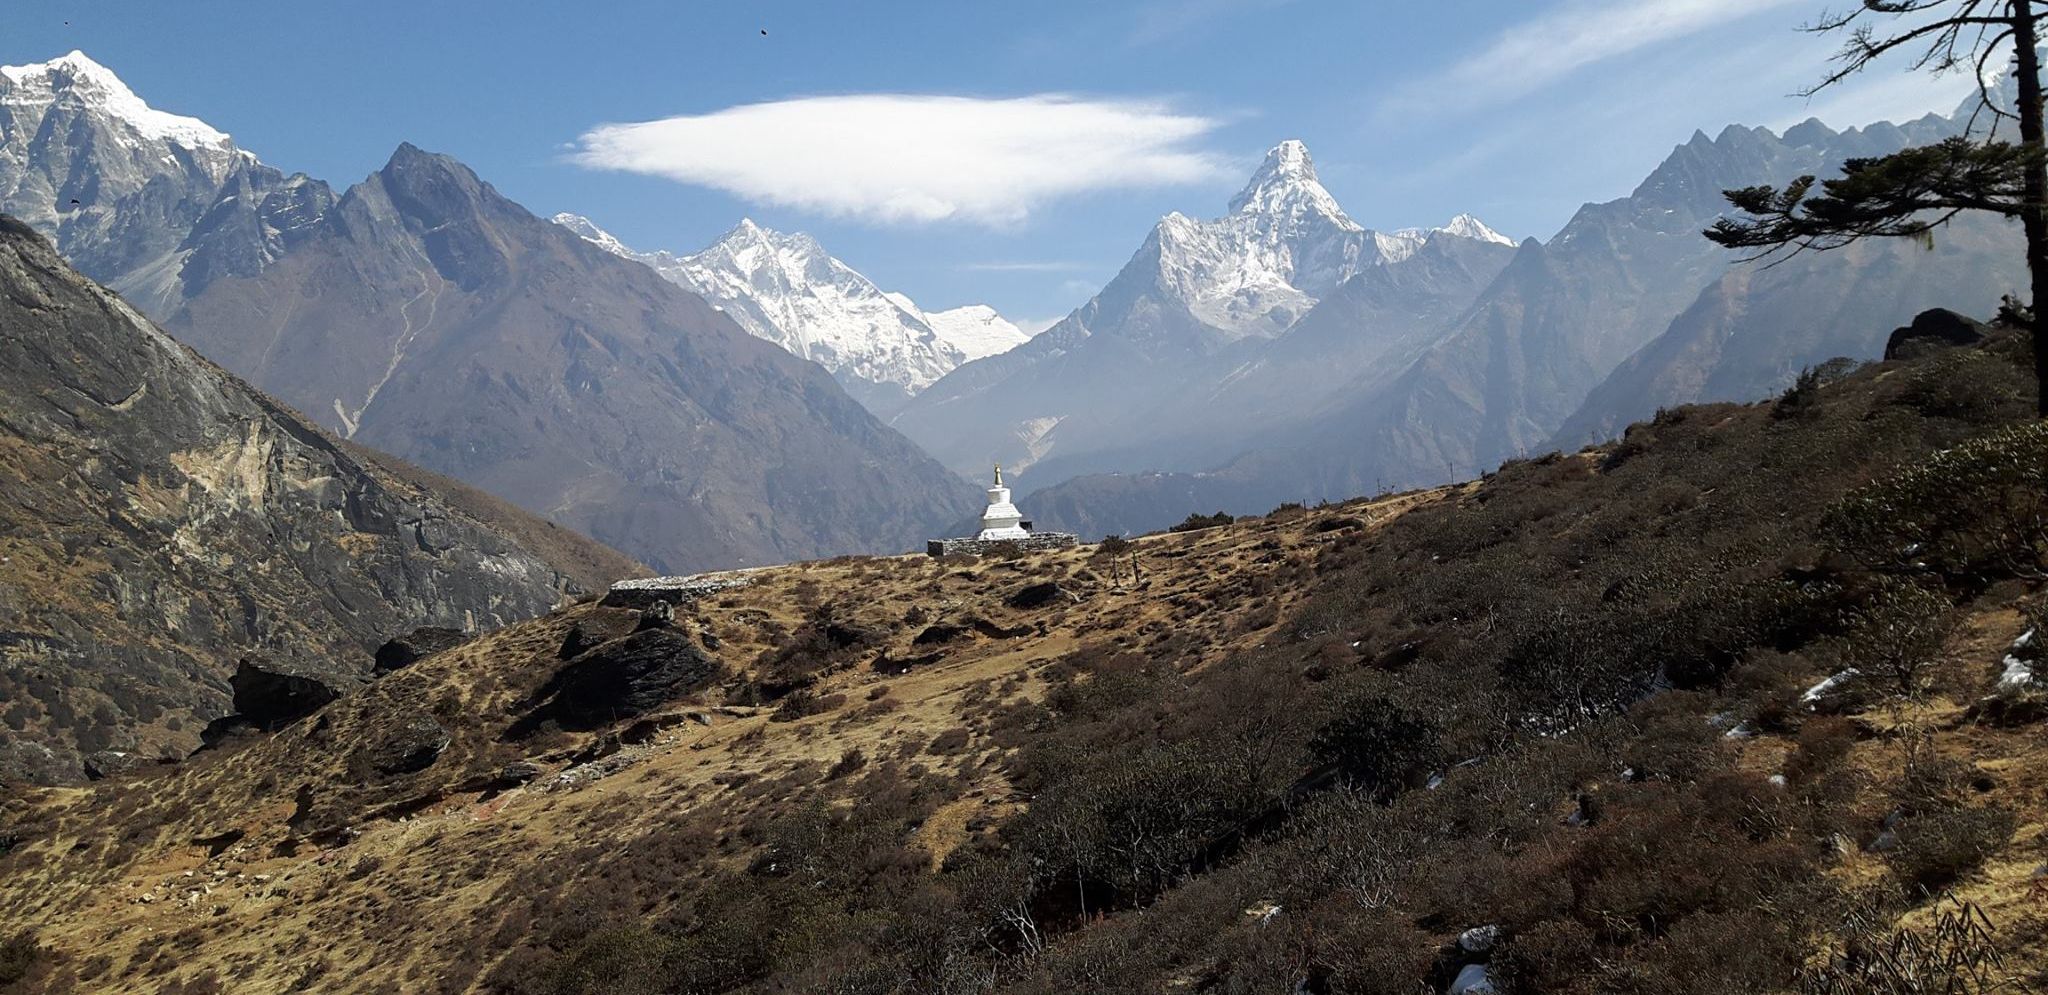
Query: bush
[[1970, 513], [1198, 521], [20, 957], [1937, 847], [1113, 546]]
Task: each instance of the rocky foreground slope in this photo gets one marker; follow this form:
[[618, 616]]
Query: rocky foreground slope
[[1669, 715], [161, 522]]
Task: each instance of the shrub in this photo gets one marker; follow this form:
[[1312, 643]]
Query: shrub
[[1970, 513], [1938, 846], [950, 742], [1957, 954], [1113, 546], [1199, 521], [20, 957]]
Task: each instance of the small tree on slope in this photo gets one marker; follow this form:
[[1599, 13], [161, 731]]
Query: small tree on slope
[[1912, 192]]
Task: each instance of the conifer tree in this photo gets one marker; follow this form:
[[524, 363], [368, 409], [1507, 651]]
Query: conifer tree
[[1915, 191]]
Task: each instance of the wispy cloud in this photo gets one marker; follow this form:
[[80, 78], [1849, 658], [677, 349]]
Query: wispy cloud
[[1021, 266], [895, 158], [1542, 50]]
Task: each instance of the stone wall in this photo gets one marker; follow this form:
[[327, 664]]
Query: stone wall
[[643, 592], [977, 547]]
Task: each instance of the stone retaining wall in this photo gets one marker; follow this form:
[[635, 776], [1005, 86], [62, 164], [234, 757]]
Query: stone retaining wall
[[643, 592], [1037, 541]]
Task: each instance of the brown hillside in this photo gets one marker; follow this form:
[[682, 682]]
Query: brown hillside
[[1577, 702]]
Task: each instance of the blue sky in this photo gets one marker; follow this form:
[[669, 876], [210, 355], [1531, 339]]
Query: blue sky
[[1012, 153]]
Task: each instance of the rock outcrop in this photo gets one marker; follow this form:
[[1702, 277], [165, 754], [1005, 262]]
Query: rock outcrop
[[1932, 329], [626, 677], [160, 521]]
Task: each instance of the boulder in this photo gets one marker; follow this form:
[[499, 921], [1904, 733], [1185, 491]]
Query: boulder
[[518, 772], [659, 615], [1932, 330], [110, 763], [1478, 941], [1040, 595], [627, 677], [272, 694], [400, 744], [417, 645]]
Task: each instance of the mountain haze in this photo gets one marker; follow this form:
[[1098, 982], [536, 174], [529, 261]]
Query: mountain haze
[[1109, 386], [1627, 290], [426, 315]]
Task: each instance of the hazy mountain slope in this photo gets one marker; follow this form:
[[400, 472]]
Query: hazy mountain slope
[[1504, 376], [426, 315], [160, 520], [1751, 332], [1566, 312], [1194, 304], [786, 289], [1360, 335]]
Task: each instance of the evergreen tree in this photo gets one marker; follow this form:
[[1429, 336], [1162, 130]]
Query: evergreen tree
[[1912, 192]]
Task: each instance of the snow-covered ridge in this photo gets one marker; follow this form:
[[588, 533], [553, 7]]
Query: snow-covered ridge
[[76, 75], [976, 329], [787, 289]]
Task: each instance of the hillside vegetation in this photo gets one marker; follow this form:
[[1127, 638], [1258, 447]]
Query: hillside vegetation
[[1564, 728]]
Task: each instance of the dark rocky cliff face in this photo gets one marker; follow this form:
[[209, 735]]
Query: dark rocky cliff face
[[160, 521]]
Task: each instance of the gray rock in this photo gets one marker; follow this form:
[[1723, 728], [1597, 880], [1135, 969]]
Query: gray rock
[[110, 763], [271, 695], [400, 744], [1932, 330], [417, 645], [625, 678]]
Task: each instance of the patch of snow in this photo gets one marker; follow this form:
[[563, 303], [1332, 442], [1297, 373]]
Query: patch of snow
[[2020, 658], [976, 329], [1826, 687], [1472, 979]]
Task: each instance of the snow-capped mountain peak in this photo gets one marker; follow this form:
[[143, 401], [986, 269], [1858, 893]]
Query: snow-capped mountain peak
[[785, 288], [1286, 189], [1467, 226], [1402, 244], [590, 232], [76, 76]]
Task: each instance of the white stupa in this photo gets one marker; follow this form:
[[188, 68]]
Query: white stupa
[[1002, 526], [1002, 520]]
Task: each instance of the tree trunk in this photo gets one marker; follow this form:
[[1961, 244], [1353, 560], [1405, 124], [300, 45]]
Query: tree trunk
[[2034, 214]]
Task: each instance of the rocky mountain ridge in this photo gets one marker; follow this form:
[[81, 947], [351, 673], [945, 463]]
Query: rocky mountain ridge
[[161, 522]]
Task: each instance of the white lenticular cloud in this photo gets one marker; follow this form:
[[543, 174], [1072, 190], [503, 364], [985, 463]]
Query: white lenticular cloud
[[907, 158]]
